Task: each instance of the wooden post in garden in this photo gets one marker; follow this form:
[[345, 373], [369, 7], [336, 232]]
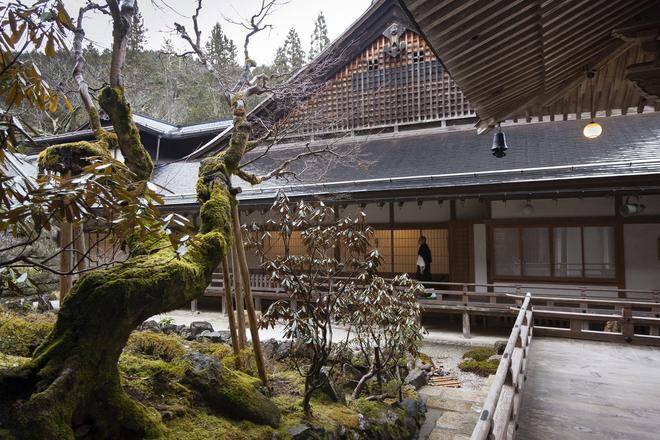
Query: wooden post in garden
[[249, 303], [240, 303], [80, 258], [466, 316], [65, 259], [230, 310]]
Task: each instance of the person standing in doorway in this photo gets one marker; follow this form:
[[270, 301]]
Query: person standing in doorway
[[423, 260]]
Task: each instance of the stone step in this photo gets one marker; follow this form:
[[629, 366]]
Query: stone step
[[463, 406], [458, 423]]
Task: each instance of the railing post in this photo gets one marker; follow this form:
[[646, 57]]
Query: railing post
[[627, 327], [466, 316]]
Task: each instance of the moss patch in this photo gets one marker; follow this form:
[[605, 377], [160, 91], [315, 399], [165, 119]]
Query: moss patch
[[479, 353], [482, 368], [21, 335], [159, 346]]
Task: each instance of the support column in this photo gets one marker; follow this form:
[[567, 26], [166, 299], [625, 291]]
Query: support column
[[466, 325]]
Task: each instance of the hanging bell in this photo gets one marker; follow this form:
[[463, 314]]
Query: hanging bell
[[499, 144]]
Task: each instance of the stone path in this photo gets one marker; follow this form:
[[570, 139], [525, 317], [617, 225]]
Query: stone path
[[452, 412]]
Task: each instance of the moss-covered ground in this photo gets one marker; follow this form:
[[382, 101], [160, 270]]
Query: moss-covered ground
[[152, 369], [476, 360]]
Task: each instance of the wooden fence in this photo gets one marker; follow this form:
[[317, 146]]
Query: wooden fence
[[631, 316], [499, 413]]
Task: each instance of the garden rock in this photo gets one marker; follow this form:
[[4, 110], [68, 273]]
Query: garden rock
[[495, 357], [150, 326], [269, 348], [417, 378], [500, 346], [304, 432], [230, 392], [197, 327], [217, 337], [329, 388]]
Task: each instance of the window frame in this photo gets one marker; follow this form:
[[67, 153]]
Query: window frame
[[553, 278]]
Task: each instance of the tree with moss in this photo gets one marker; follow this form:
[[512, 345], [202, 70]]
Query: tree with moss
[[73, 375], [320, 38]]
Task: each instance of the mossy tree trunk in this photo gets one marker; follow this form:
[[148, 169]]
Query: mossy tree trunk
[[73, 376]]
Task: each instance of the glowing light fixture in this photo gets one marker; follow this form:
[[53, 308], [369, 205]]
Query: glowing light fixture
[[593, 129]]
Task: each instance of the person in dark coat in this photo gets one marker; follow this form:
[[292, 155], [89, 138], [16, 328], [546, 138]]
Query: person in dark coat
[[424, 273]]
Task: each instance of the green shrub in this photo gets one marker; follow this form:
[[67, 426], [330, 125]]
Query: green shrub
[[21, 335], [482, 368], [479, 353], [156, 345]]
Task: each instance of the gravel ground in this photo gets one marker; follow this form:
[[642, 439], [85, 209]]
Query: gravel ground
[[448, 356]]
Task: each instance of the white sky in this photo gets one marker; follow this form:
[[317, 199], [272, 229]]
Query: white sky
[[301, 14]]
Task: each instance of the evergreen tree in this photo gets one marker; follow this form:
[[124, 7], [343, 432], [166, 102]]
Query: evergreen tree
[[221, 49], [137, 36], [319, 37], [290, 56]]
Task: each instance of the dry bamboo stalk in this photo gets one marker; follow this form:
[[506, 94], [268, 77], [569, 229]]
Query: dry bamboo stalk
[[230, 310], [240, 304], [249, 303]]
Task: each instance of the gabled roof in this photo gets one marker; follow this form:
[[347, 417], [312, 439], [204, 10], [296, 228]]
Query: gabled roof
[[554, 155], [145, 123], [353, 41]]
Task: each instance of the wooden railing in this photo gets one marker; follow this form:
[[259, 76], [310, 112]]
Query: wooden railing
[[586, 316], [500, 410], [574, 312]]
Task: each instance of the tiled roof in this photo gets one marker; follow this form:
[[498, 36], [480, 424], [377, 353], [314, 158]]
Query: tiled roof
[[546, 151]]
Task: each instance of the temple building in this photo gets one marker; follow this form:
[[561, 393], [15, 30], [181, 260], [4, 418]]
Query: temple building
[[558, 211]]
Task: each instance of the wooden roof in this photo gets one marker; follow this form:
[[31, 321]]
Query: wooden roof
[[525, 58]]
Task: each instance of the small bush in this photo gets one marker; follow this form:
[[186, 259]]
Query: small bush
[[21, 335], [482, 368], [156, 345], [479, 353]]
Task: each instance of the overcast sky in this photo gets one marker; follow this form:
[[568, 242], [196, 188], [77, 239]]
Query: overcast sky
[[300, 14]]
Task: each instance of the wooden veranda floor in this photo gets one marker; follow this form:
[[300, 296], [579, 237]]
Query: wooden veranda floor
[[590, 390]]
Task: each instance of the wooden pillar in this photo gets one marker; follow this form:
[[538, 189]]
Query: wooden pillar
[[81, 248], [65, 259], [627, 327], [466, 325], [240, 309], [249, 303], [230, 310]]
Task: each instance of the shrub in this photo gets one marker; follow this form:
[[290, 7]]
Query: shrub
[[21, 335], [479, 353]]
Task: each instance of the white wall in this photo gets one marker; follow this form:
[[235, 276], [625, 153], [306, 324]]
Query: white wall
[[652, 204], [585, 207], [375, 214], [430, 212], [480, 257], [471, 209], [641, 256]]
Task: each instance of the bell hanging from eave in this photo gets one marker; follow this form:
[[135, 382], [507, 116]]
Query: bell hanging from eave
[[499, 144]]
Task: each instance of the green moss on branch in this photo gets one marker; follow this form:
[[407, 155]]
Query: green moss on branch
[[137, 159]]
